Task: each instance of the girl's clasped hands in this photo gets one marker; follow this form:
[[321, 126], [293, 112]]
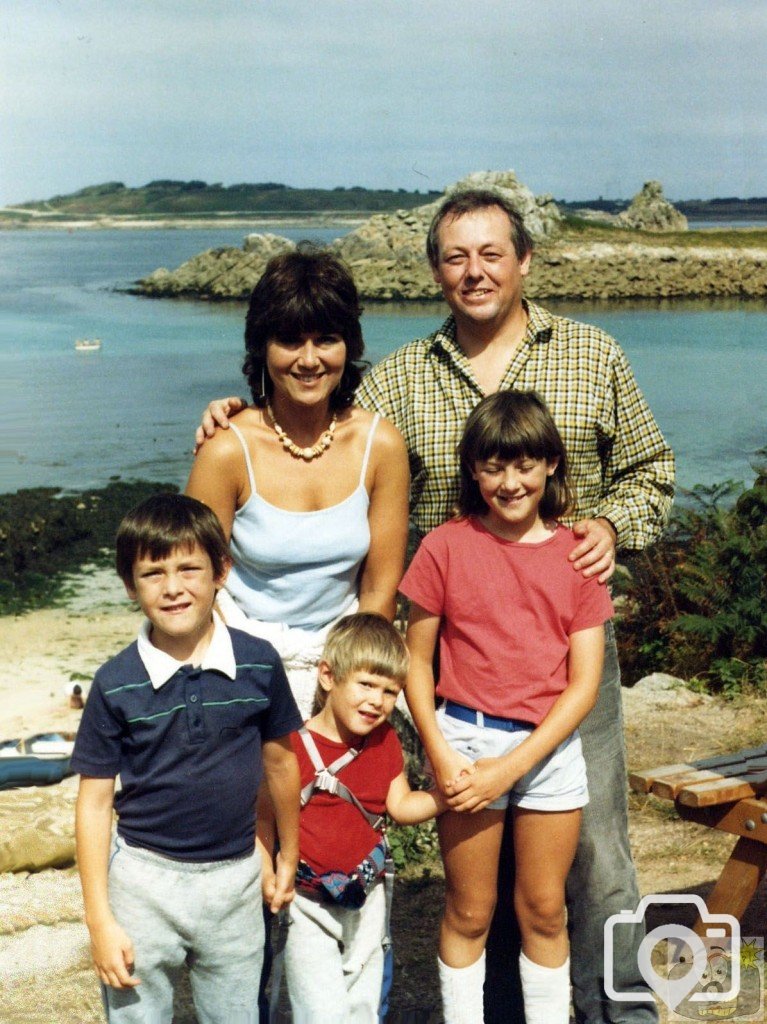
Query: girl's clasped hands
[[478, 783]]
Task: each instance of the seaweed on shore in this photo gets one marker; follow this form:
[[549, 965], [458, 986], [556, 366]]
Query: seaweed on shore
[[45, 534]]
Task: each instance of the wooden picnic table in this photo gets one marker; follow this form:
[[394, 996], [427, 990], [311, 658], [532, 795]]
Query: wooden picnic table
[[729, 793]]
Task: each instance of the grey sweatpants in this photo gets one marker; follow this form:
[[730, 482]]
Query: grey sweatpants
[[206, 915], [334, 960]]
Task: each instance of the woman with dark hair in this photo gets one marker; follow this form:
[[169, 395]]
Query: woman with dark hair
[[310, 489]]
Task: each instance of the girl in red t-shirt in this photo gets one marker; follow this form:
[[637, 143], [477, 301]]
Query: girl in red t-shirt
[[521, 642]]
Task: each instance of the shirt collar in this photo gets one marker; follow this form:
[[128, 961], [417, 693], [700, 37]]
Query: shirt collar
[[444, 336], [162, 667], [539, 324]]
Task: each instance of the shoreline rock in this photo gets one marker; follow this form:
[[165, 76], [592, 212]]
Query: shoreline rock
[[593, 270], [386, 256]]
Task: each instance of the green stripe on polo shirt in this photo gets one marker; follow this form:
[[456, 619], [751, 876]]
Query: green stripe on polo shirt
[[254, 664], [128, 686], [235, 700], [160, 714]]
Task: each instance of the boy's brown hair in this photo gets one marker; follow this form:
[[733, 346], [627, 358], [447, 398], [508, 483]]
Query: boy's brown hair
[[164, 522]]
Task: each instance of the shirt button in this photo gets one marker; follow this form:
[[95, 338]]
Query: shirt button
[[193, 698]]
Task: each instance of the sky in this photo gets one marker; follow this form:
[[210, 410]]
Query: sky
[[581, 98]]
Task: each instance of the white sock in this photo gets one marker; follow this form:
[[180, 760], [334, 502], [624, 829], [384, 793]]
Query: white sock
[[461, 989], [546, 992]]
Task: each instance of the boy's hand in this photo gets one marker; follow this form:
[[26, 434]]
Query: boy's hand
[[284, 884], [268, 881], [474, 791], [113, 957], [217, 415]]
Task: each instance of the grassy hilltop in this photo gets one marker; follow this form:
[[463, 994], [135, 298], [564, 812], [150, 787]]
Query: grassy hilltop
[[165, 198]]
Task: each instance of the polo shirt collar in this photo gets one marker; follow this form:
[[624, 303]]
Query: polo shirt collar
[[162, 667]]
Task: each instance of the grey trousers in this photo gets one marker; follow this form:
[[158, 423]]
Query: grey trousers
[[334, 960], [207, 916]]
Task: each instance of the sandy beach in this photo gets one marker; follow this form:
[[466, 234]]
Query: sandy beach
[[45, 973]]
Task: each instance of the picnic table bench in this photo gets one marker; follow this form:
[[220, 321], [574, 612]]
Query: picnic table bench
[[728, 793]]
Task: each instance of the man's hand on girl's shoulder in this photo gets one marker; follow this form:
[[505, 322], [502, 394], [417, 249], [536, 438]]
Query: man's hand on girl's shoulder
[[595, 555]]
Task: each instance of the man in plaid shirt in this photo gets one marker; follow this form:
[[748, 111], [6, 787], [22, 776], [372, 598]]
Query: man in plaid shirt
[[623, 474]]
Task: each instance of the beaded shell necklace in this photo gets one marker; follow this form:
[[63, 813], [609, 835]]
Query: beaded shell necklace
[[312, 452]]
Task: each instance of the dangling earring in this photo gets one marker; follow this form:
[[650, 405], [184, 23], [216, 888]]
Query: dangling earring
[[263, 380]]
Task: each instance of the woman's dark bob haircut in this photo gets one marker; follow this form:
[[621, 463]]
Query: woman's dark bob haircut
[[513, 425], [300, 292], [164, 522]]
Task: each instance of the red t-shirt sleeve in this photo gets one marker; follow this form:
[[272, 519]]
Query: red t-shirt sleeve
[[594, 605], [425, 580]]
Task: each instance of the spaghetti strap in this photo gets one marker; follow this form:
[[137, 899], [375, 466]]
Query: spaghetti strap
[[248, 463], [368, 446]]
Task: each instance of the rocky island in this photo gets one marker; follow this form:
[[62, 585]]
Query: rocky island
[[642, 252]]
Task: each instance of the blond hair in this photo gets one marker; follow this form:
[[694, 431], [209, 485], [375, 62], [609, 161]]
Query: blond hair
[[364, 642]]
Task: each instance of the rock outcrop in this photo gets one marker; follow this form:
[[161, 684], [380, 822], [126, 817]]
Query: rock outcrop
[[386, 253], [540, 213], [651, 211], [386, 256], [629, 270], [217, 273]]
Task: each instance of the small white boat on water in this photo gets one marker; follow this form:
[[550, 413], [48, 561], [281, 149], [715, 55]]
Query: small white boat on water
[[88, 344]]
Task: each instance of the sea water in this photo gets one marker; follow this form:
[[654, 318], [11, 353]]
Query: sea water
[[73, 420]]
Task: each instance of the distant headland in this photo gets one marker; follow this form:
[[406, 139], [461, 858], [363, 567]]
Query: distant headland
[[166, 199], [113, 204]]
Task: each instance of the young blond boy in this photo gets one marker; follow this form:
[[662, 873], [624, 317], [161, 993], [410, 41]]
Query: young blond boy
[[338, 922], [184, 716]]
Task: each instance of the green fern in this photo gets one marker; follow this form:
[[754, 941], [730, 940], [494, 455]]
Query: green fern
[[696, 604]]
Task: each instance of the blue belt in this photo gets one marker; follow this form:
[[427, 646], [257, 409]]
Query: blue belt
[[479, 718]]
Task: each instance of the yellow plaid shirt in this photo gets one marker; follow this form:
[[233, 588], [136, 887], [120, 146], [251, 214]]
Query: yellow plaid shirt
[[620, 464]]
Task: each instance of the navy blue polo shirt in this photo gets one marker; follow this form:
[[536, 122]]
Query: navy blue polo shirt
[[188, 749]]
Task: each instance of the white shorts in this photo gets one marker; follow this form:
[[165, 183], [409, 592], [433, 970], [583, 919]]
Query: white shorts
[[557, 783]]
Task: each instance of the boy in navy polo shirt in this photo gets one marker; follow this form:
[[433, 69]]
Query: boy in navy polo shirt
[[185, 716]]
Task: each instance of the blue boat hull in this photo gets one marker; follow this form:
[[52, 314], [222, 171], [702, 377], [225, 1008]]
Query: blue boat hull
[[32, 771]]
